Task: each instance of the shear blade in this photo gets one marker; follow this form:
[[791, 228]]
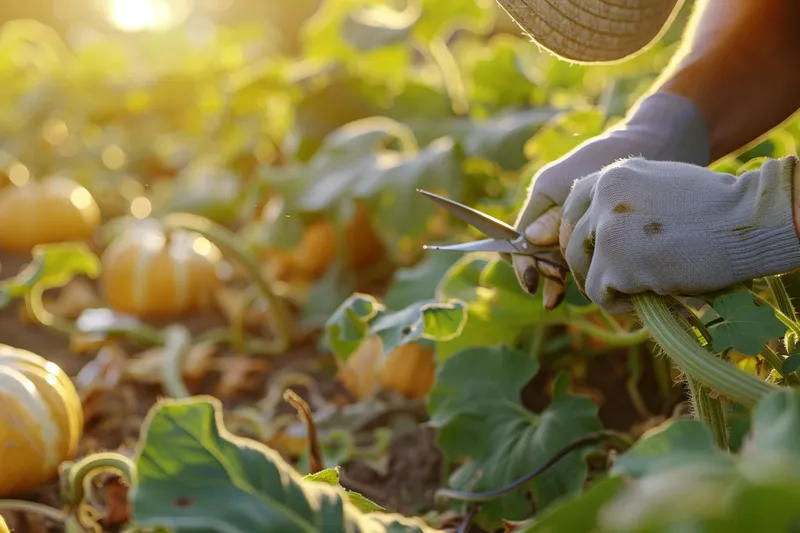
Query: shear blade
[[480, 221], [485, 245]]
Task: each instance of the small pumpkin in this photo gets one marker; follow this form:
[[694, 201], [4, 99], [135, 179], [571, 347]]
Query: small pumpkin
[[150, 272], [316, 251], [41, 420], [409, 369], [52, 210]]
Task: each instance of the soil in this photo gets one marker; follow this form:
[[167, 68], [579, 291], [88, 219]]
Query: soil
[[414, 468]]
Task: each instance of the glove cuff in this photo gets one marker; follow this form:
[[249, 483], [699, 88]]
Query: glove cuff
[[678, 122], [766, 243]]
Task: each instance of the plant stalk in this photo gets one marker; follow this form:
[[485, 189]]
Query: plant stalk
[[708, 408], [674, 335]]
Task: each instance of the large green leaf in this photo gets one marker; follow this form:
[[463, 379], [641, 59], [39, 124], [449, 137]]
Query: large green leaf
[[477, 409], [674, 443], [497, 80], [577, 513], [376, 26], [354, 162], [342, 30], [686, 483], [745, 326], [195, 476], [440, 19]]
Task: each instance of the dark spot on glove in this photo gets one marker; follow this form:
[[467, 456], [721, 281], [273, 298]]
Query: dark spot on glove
[[588, 244], [742, 231], [530, 279], [651, 228], [621, 209]]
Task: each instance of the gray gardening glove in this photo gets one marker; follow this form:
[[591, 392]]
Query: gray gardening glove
[[676, 228], [664, 126]]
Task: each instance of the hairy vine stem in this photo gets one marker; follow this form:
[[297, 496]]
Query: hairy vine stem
[[708, 408], [674, 335]]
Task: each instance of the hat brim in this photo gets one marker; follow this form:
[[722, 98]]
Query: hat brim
[[593, 31]]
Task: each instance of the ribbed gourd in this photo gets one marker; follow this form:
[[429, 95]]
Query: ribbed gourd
[[55, 209], [150, 272], [41, 420]]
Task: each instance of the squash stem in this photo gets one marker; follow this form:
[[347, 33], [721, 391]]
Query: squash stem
[[708, 408], [226, 240], [627, 338], [774, 360], [34, 305], [177, 342], [36, 309], [23, 506], [674, 335], [781, 296]]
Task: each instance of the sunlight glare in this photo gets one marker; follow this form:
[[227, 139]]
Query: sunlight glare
[[141, 207], [141, 15], [81, 198], [18, 174]]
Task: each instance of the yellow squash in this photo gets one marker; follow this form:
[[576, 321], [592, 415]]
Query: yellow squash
[[41, 420], [315, 252], [149, 273], [52, 210], [410, 369]]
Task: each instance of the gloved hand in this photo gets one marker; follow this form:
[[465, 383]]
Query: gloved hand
[[664, 126], [679, 229]]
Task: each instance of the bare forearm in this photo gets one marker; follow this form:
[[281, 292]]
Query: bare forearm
[[738, 64]]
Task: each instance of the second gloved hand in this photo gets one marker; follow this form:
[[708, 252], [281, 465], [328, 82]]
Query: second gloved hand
[[678, 229], [664, 127]]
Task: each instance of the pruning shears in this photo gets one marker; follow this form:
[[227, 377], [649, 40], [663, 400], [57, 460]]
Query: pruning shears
[[503, 238]]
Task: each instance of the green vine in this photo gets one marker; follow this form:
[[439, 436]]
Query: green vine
[[673, 333], [75, 480]]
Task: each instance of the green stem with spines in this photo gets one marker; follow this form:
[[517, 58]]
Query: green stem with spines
[[674, 335], [708, 408], [781, 296], [776, 362]]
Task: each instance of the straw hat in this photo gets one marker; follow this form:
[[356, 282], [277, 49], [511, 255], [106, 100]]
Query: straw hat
[[592, 31]]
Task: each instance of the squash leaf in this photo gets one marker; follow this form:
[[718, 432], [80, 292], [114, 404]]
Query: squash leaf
[[331, 477], [193, 476], [361, 316], [53, 265], [577, 514], [746, 325], [479, 388]]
